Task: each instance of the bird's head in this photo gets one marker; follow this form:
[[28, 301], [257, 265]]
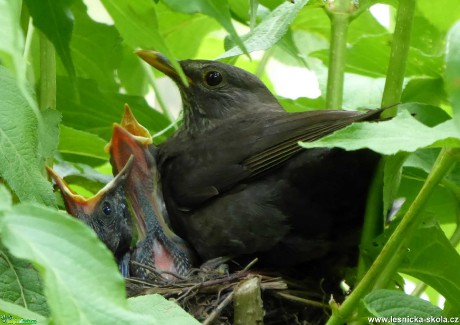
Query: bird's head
[[106, 212], [215, 91]]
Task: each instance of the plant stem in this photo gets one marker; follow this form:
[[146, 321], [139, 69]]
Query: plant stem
[[163, 107], [384, 266], [47, 74], [253, 4], [398, 57], [340, 19]]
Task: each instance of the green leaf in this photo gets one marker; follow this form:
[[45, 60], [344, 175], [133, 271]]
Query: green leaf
[[437, 273], [81, 143], [270, 30], [96, 48], [391, 303], [402, 133], [20, 284], [20, 314], [453, 71], [12, 44], [425, 90], [370, 55], [82, 282], [218, 9], [96, 111], [20, 164], [165, 311], [137, 23], [132, 73], [55, 20], [441, 13], [175, 28]]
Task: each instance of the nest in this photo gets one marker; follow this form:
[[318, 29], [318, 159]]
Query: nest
[[207, 294]]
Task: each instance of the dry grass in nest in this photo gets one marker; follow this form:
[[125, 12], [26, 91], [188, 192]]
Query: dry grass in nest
[[207, 295]]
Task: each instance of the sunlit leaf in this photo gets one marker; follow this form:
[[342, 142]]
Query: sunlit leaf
[[402, 133], [218, 9], [270, 30]]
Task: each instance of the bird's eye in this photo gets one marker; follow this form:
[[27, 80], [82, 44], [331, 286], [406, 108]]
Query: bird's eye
[[213, 78], [106, 208]]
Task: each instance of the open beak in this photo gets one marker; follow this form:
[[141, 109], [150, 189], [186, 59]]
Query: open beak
[[81, 207], [143, 189], [161, 63]]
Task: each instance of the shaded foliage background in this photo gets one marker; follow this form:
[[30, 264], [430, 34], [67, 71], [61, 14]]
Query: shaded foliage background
[[64, 78]]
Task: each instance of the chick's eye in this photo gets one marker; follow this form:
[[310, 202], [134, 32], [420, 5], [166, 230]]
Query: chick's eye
[[106, 208], [213, 78]]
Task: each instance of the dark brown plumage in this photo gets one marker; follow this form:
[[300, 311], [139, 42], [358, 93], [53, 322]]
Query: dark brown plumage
[[236, 182]]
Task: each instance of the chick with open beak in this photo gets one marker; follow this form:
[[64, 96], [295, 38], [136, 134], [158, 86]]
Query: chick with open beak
[[157, 245], [106, 212]]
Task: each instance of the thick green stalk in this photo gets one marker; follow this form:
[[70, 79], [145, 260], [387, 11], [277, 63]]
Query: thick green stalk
[[339, 13], [47, 74], [398, 57], [384, 266]]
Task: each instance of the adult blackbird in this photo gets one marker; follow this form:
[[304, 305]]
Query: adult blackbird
[[236, 182], [106, 212], [157, 245]]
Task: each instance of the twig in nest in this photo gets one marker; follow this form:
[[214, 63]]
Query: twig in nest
[[216, 312], [302, 300], [251, 264]]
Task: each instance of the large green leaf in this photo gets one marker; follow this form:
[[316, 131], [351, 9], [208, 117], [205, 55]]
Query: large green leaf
[[82, 143], [390, 303], [96, 111], [20, 163], [430, 244], [96, 48], [218, 9], [82, 282], [137, 23], [402, 133], [453, 71], [270, 30], [55, 20], [20, 283]]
